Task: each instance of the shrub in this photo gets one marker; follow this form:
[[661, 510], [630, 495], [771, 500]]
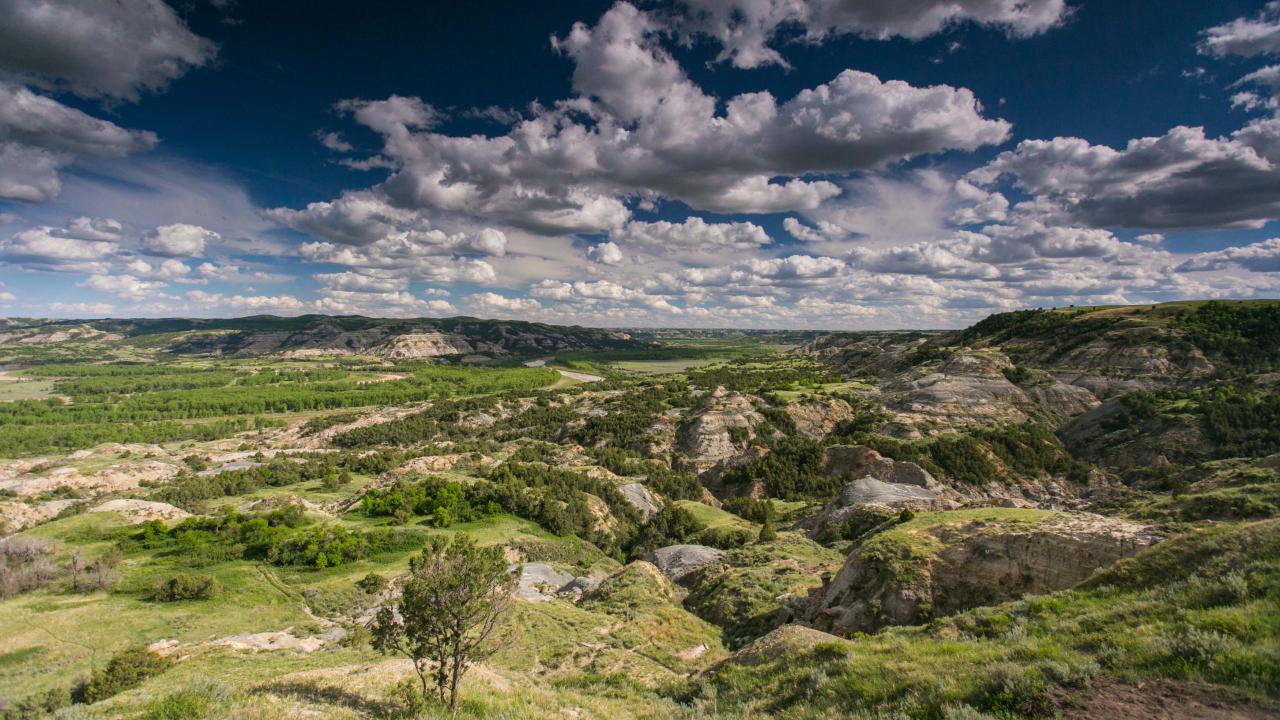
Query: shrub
[[196, 701], [38, 705], [186, 587], [26, 564], [372, 583], [127, 669], [1010, 689], [1190, 647]]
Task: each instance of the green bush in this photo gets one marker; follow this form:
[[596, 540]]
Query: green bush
[[186, 587], [1014, 690], [38, 705], [199, 700], [127, 669], [724, 538], [372, 583]]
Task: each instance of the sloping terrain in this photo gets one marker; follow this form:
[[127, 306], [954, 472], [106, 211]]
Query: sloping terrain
[[1052, 513]]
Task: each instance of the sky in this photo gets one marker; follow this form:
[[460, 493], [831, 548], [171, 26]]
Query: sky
[[796, 164]]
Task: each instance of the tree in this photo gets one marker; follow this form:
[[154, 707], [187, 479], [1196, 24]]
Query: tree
[[767, 531], [450, 604]]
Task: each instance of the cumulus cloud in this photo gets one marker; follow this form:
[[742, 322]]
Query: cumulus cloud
[[1180, 180], [693, 234], [126, 286], [213, 302], [745, 29], [58, 249], [113, 49], [81, 309], [638, 127], [501, 304], [179, 240], [605, 253], [1245, 37], [334, 141], [1258, 257], [39, 136]]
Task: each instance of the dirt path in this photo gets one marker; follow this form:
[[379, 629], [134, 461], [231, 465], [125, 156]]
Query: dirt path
[[1159, 700]]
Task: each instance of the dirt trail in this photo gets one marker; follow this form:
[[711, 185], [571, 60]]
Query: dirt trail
[[1159, 700]]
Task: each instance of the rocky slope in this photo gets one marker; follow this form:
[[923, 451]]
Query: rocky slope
[[320, 334], [941, 563], [716, 435]]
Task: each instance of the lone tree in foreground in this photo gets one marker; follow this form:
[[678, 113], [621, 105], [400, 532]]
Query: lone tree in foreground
[[451, 602]]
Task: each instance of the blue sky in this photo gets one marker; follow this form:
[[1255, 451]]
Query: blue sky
[[754, 163]]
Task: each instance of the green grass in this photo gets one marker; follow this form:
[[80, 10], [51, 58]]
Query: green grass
[[1178, 610], [711, 517], [19, 388]]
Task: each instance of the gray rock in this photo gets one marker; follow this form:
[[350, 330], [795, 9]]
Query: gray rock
[[677, 561], [640, 497], [869, 491], [540, 582]]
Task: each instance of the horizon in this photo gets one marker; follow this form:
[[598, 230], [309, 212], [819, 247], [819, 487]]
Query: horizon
[[658, 164], [408, 318]]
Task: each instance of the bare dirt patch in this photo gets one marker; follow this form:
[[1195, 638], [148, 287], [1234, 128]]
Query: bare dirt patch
[[1158, 700]]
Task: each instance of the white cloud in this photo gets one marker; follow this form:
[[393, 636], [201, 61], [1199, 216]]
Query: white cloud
[[39, 136], [1182, 179], [57, 249], [639, 128], [746, 28], [1246, 37], [113, 49], [693, 234], [1258, 257], [334, 141], [126, 286], [179, 240], [81, 309], [501, 304], [211, 303], [605, 253]]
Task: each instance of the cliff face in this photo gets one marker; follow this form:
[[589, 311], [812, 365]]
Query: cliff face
[[415, 345], [940, 564]]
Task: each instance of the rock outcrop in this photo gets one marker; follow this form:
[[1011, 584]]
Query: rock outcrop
[[859, 461], [716, 435], [816, 418], [878, 488], [415, 345], [139, 511], [941, 564], [540, 582], [971, 388], [641, 499], [678, 561]]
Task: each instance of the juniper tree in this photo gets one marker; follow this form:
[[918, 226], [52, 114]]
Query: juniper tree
[[450, 604]]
